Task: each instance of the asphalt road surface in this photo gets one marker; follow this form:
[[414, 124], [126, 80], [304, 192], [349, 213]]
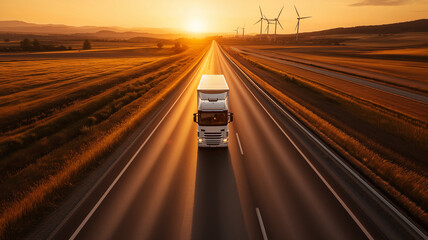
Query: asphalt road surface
[[272, 182], [308, 65]]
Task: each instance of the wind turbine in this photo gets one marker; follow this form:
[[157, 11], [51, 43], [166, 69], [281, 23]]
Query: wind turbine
[[298, 22], [236, 31], [269, 21], [243, 32], [277, 21], [261, 22], [274, 21]]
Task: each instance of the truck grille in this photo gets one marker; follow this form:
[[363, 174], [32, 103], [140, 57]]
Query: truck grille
[[213, 138]]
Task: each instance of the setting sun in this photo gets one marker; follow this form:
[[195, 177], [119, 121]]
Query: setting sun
[[195, 25]]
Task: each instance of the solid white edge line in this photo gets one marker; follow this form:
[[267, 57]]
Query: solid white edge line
[[52, 235], [324, 70], [338, 160], [262, 226], [239, 143], [76, 232], [348, 210]]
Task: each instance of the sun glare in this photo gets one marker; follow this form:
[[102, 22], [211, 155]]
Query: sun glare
[[196, 26]]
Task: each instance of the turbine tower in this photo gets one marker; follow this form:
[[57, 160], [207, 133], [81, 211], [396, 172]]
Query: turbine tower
[[274, 21], [298, 22], [243, 32], [261, 22], [277, 22], [269, 21]]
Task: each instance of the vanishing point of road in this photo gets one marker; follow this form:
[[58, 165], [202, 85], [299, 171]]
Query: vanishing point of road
[[276, 180]]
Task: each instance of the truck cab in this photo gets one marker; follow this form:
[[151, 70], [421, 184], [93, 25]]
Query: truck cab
[[213, 116]]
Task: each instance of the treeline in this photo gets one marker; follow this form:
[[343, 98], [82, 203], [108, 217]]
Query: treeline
[[35, 46], [178, 46]]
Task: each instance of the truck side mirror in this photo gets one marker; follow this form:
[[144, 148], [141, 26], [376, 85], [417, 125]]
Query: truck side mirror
[[195, 117], [230, 117]]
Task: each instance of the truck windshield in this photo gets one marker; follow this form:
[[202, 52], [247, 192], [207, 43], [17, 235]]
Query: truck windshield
[[212, 118]]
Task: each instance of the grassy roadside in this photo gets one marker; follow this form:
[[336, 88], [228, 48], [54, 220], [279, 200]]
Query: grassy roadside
[[86, 107], [320, 85], [404, 86], [93, 130], [403, 179], [411, 131]]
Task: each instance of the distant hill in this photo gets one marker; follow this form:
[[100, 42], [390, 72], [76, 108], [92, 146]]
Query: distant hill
[[90, 31], [24, 27], [403, 27], [123, 35]]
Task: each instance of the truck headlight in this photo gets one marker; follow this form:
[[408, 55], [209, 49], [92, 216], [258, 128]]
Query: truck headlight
[[225, 140], [200, 140]]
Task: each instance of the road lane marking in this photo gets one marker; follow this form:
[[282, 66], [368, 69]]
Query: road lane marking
[[342, 75], [239, 143], [262, 226], [76, 232], [339, 199], [332, 154]]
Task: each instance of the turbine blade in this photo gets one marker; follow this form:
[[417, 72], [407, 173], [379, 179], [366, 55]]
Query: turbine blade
[[260, 8], [296, 11], [257, 22], [280, 25], [296, 26], [280, 11], [305, 17]]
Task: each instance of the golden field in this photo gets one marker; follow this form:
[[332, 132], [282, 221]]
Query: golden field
[[398, 59], [386, 144], [63, 112]]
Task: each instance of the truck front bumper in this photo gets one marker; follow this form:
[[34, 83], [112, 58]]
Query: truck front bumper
[[203, 143]]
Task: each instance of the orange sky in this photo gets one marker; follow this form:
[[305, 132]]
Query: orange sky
[[212, 16]]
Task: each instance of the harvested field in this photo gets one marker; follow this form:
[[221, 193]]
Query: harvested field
[[389, 150], [60, 117], [402, 57], [100, 52], [405, 107]]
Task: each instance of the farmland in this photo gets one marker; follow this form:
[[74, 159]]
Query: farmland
[[62, 112], [383, 136]]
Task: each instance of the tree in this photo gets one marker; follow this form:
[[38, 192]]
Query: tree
[[87, 44], [160, 44], [26, 44], [177, 45], [36, 45]]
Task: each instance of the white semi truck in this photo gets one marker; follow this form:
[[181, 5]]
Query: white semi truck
[[214, 114]]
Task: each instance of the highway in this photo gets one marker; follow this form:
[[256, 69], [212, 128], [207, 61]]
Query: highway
[[274, 181], [347, 81], [320, 68]]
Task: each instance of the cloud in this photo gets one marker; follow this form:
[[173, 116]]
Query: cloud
[[379, 3]]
